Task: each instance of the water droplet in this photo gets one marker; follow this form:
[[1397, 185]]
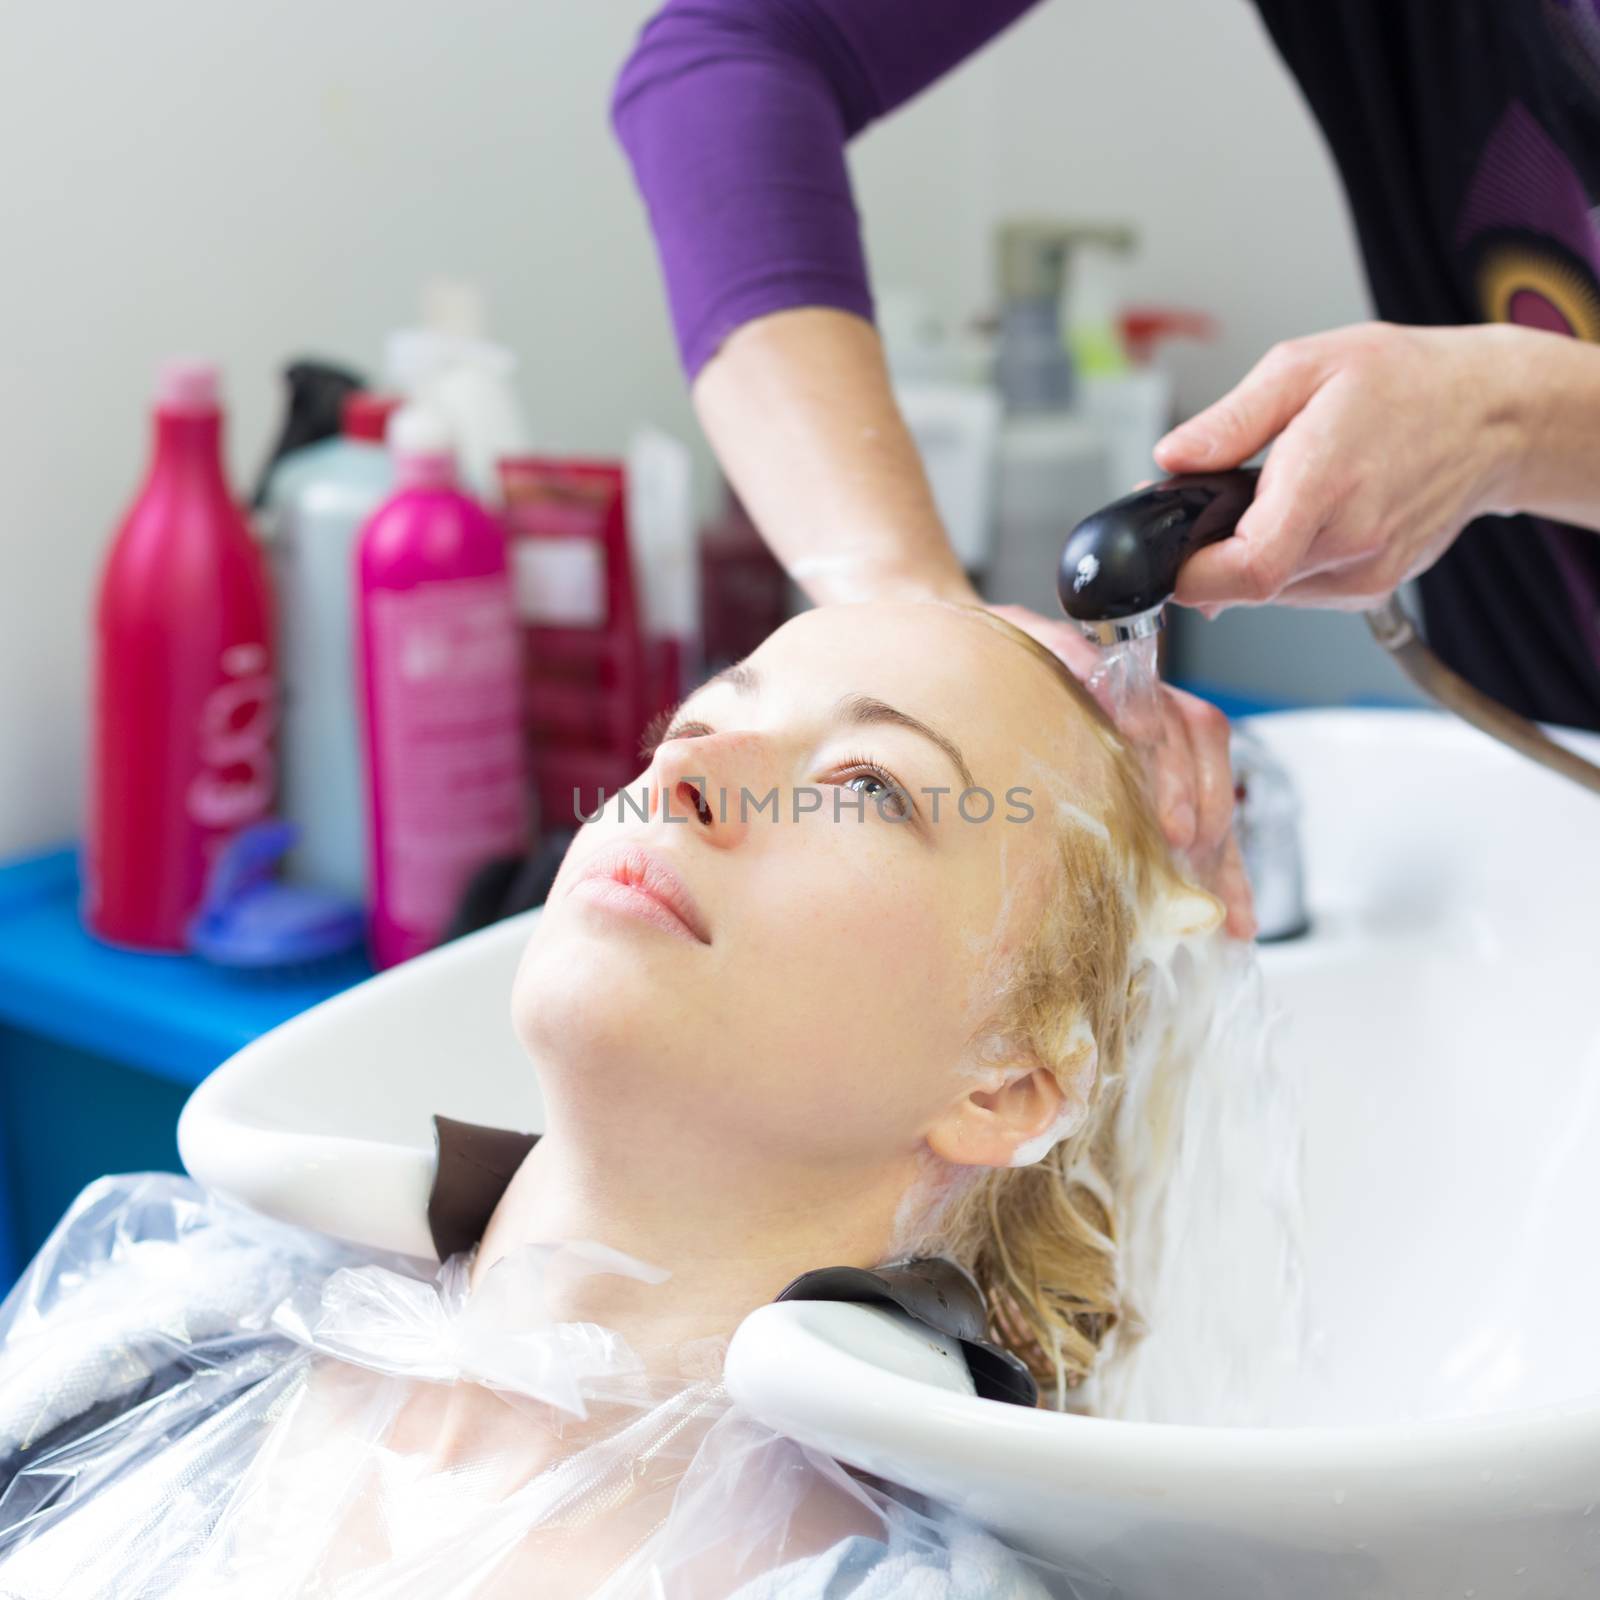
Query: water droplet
[[1338, 1497], [1487, 1474]]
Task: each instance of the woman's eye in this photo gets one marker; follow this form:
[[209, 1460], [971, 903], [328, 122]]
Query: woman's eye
[[883, 789]]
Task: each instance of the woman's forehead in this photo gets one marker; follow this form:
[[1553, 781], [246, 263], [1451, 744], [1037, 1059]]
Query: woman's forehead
[[942, 664]]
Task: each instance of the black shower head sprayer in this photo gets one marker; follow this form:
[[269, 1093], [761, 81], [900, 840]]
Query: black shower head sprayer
[[1119, 566]]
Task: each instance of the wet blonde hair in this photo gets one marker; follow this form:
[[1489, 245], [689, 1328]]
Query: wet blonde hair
[[1042, 1240]]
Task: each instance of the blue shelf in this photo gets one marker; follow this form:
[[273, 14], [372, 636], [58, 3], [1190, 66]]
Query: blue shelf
[[172, 1016], [100, 1047], [1236, 705]]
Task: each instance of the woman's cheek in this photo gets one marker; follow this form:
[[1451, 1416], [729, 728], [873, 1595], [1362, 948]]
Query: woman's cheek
[[852, 918]]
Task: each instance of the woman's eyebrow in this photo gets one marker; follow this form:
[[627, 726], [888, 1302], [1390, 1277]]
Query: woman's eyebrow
[[862, 710], [745, 679]]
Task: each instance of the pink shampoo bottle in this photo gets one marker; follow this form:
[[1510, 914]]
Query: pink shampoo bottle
[[441, 689], [185, 697]]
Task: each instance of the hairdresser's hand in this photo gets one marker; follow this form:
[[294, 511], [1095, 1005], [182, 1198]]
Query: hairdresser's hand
[[1388, 441], [1191, 773]]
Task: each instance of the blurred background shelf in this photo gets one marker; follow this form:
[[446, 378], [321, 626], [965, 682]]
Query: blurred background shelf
[[99, 1047]]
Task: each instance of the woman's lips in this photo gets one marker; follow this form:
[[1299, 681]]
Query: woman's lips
[[632, 880]]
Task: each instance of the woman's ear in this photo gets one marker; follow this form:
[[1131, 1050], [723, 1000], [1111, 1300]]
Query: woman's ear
[[1013, 1104]]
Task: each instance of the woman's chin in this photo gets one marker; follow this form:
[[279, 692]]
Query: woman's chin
[[590, 994]]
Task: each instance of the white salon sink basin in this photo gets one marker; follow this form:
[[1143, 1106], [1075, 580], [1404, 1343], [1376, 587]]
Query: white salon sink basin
[[1445, 1012]]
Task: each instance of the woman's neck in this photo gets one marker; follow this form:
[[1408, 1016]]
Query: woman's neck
[[731, 1232]]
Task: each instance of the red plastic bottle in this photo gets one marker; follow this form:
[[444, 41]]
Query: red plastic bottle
[[185, 699]]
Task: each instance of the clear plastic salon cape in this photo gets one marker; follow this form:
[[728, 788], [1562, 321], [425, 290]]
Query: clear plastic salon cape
[[196, 1401]]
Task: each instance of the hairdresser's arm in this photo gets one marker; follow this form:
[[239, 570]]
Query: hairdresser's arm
[[1386, 441], [1555, 466], [735, 115], [799, 410]]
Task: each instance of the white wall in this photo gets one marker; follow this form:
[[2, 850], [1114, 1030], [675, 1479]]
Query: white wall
[[254, 181]]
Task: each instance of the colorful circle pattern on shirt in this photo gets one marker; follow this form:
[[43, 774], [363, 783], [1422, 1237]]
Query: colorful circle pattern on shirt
[[1538, 287], [1529, 235]]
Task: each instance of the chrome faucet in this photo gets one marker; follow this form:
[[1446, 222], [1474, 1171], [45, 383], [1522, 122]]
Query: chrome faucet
[[1267, 826]]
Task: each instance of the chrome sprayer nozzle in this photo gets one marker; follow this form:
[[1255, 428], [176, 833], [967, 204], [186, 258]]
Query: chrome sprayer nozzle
[[1119, 630]]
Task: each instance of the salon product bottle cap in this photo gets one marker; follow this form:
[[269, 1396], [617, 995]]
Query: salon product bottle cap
[[365, 415], [187, 383], [418, 431]]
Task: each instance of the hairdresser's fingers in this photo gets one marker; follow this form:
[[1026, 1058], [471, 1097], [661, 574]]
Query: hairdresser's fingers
[[1174, 760], [1249, 416], [1212, 771], [1268, 550], [1231, 885]]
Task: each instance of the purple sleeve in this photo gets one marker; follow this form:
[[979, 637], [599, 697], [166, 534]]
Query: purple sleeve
[[735, 114]]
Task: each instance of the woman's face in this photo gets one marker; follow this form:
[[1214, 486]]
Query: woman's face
[[759, 939]]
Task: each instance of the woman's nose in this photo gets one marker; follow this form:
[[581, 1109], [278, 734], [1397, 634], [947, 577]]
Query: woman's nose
[[703, 783]]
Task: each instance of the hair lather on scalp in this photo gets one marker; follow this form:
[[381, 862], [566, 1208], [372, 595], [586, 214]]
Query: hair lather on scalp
[[1043, 1239]]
